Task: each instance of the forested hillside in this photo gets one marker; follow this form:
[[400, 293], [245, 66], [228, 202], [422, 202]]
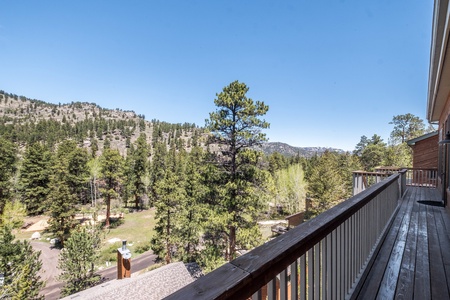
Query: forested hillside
[[25, 121]]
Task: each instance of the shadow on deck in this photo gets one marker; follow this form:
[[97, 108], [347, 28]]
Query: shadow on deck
[[414, 259]]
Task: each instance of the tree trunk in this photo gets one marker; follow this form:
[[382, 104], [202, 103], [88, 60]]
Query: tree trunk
[[168, 254], [232, 253], [136, 201], [108, 208]]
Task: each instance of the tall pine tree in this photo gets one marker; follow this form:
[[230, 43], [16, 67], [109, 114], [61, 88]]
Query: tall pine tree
[[34, 178], [170, 194], [111, 169], [8, 160], [236, 127]]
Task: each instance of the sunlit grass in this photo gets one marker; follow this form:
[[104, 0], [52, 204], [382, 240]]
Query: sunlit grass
[[137, 230]]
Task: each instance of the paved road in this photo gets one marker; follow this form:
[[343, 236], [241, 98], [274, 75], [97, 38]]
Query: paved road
[[49, 259]]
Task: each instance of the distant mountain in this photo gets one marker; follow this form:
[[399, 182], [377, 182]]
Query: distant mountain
[[288, 150]]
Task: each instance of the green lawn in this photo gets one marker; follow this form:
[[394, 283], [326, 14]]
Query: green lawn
[[137, 230]]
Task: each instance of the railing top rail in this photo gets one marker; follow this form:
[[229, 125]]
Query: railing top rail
[[423, 169], [240, 278], [371, 173]]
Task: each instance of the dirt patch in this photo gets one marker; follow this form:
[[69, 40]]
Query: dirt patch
[[38, 223]]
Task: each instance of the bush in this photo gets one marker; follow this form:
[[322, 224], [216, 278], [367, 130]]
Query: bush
[[110, 253], [141, 248]]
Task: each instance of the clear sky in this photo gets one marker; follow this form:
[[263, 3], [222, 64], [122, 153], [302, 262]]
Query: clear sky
[[330, 71]]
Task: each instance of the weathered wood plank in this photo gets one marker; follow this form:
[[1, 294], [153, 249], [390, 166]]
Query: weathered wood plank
[[405, 285], [389, 282], [444, 240], [437, 272], [369, 289], [422, 275]]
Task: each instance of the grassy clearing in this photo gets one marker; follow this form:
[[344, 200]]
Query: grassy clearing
[[137, 230]]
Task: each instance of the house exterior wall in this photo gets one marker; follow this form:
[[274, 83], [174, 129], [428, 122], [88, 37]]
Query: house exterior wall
[[425, 153], [444, 167]]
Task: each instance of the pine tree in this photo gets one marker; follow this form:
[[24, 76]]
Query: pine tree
[[139, 168], [34, 177], [20, 266], [325, 185], [78, 173], [77, 260], [193, 212], [111, 169], [236, 127], [8, 160], [158, 165], [94, 147], [406, 127], [169, 196], [62, 203]]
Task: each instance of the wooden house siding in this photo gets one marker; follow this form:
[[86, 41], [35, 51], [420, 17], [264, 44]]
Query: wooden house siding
[[425, 153]]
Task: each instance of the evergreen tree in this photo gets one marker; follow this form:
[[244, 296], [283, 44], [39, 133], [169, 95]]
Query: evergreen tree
[[19, 265], [34, 179], [158, 166], [406, 127], [111, 169], [374, 155], [193, 212], [399, 155], [94, 174], [139, 168], [170, 194], [94, 147], [325, 185], [77, 260], [62, 203], [78, 173], [8, 160], [236, 127]]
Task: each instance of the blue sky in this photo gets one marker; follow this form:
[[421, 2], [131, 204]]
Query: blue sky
[[330, 71]]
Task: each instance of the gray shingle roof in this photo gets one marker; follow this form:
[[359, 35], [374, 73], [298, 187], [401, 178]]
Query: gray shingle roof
[[155, 284]]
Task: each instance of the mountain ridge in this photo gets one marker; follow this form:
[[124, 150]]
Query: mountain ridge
[[288, 150], [15, 110]]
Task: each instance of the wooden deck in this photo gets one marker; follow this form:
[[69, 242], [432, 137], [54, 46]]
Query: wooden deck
[[414, 259]]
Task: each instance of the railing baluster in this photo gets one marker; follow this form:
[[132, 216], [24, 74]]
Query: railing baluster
[[294, 280], [317, 252], [339, 261], [334, 259], [310, 267], [303, 277], [324, 266], [272, 289], [283, 285], [329, 273], [257, 295]]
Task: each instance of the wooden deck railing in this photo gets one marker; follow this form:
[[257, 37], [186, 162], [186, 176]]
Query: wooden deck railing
[[421, 177], [413, 177], [323, 258]]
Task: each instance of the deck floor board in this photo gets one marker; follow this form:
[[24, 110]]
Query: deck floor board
[[414, 259]]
